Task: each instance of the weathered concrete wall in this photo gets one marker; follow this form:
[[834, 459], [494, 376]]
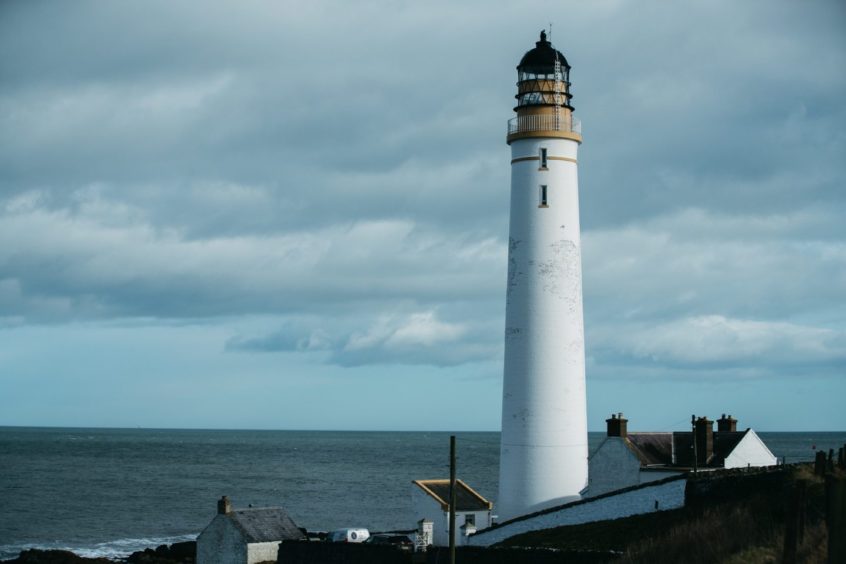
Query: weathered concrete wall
[[668, 494], [221, 543], [750, 451], [262, 552], [544, 451]]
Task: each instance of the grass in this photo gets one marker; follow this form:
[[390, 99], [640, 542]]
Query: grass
[[745, 525]]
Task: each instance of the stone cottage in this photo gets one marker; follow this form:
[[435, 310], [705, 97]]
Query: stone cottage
[[430, 500], [626, 459], [245, 536]]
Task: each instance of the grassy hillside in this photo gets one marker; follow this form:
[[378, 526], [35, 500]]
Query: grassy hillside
[[741, 520]]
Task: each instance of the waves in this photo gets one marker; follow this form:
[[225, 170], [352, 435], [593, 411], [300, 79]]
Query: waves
[[119, 548]]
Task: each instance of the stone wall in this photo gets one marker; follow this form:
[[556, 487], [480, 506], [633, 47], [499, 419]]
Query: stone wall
[[302, 552], [221, 543], [654, 496]]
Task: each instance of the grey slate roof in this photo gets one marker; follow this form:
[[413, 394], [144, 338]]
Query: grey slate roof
[[676, 449], [466, 498], [265, 524], [652, 449]]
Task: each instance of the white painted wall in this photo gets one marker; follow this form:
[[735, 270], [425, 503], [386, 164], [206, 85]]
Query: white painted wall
[[425, 507], [221, 543], [750, 451], [262, 552], [544, 453], [613, 466], [669, 495]]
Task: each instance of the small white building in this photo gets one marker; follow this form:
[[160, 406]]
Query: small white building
[[430, 501], [626, 459], [245, 536]]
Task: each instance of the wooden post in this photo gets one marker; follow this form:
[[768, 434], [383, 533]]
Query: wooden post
[[835, 517], [452, 499], [802, 491], [819, 463], [793, 524]]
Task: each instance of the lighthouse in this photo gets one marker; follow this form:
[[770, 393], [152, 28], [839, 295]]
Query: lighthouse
[[543, 452]]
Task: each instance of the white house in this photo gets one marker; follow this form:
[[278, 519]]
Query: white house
[[430, 500], [626, 459], [245, 536]]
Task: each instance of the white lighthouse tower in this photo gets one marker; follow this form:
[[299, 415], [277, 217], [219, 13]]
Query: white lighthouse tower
[[544, 454]]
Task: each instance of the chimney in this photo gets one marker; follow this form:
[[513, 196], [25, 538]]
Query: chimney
[[224, 506], [617, 426], [704, 437], [726, 424]]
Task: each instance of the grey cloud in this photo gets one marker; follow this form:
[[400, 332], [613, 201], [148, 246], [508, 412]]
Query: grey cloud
[[200, 160], [124, 266], [758, 267], [716, 341], [286, 339], [402, 338]]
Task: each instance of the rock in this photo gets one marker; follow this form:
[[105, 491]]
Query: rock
[[36, 556], [177, 553], [183, 550]]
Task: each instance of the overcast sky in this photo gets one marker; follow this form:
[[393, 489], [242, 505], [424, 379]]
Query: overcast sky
[[294, 215]]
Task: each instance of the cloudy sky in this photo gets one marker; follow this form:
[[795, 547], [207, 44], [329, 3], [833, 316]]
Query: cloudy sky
[[294, 215]]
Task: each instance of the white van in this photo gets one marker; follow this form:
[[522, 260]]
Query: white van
[[349, 535]]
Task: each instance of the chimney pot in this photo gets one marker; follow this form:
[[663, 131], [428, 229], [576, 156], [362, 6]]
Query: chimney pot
[[617, 426], [224, 506], [704, 436], [726, 424]]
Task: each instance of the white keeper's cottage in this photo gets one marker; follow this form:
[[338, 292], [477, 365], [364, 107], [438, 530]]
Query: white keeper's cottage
[[245, 536], [430, 500], [626, 459]]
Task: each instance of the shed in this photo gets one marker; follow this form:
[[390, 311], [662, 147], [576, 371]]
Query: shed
[[430, 499], [245, 536]]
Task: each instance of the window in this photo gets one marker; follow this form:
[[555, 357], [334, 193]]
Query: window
[[544, 203], [470, 519], [543, 157]]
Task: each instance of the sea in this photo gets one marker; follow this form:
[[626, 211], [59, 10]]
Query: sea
[[109, 492]]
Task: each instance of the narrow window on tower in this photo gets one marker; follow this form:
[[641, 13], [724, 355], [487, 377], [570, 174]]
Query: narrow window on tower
[[543, 200], [543, 158]]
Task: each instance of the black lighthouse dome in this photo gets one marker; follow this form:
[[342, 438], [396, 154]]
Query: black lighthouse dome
[[543, 77], [544, 108], [541, 59]]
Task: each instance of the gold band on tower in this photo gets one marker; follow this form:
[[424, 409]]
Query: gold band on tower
[[543, 96]]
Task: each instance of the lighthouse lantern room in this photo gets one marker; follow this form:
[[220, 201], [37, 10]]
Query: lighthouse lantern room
[[544, 456]]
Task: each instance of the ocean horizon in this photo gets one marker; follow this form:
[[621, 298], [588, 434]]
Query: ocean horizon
[[111, 491]]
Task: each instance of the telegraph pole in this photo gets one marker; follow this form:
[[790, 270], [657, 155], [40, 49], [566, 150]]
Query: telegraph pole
[[695, 449]]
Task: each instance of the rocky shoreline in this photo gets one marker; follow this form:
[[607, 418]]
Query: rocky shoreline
[[176, 553]]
